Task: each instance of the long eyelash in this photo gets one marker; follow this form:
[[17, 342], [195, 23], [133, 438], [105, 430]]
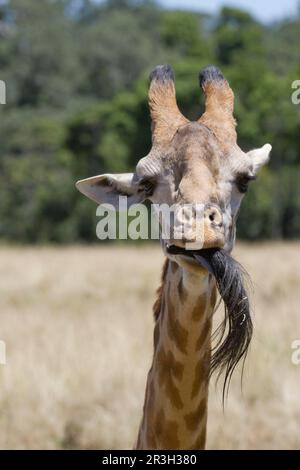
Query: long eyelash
[[242, 187], [148, 186], [242, 182]]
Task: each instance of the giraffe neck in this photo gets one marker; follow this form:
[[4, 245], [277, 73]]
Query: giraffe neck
[[175, 407]]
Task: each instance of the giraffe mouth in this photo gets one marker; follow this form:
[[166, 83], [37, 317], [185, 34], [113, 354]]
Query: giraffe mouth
[[235, 331], [202, 257]]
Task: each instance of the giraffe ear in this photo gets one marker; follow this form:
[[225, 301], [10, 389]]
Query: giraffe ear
[[260, 156], [108, 188]]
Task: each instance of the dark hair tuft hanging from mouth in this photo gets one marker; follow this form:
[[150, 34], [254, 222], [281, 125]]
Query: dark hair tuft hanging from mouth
[[233, 335], [235, 332]]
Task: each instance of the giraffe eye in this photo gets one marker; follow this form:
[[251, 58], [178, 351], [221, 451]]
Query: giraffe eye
[[147, 186], [242, 182]]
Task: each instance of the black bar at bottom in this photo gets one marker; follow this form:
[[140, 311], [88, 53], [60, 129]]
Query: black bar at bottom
[[135, 459]]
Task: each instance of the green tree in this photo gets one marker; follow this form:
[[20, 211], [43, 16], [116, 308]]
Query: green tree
[[42, 69], [237, 33], [76, 74], [183, 32]]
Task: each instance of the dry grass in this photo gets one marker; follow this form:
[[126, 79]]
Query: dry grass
[[77, 323]]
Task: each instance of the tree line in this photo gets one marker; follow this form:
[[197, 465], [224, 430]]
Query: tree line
[[76, 74]]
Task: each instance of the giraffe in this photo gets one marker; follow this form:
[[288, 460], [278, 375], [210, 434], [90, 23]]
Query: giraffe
[[189, 162]]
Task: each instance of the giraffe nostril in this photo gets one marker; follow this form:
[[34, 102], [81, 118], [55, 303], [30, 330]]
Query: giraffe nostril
[[214, 216]]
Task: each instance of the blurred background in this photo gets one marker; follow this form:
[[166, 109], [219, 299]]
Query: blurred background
[[76, 317]]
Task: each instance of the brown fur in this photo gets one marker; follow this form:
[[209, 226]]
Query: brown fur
[[168, 368], [161, 432], [213, 297], [176, 331], [181, 291], [158, 302], [200, 308], [193, 419], [199, 444], [166, 432], [201, 373], [206, 330]]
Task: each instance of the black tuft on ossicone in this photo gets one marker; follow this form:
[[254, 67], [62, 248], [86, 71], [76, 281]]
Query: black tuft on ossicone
[[162, 73], [209, 74]]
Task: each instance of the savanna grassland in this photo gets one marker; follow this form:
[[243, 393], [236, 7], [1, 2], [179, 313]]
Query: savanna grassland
[[77, 324]]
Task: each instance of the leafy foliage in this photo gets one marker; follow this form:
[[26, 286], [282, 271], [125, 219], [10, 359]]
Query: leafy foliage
[[76, 74]]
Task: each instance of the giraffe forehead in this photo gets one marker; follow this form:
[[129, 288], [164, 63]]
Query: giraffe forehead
[[195, 143], [194, 150], [198, 162]]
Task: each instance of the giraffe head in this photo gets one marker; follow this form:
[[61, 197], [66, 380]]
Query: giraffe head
[[191, 164]]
